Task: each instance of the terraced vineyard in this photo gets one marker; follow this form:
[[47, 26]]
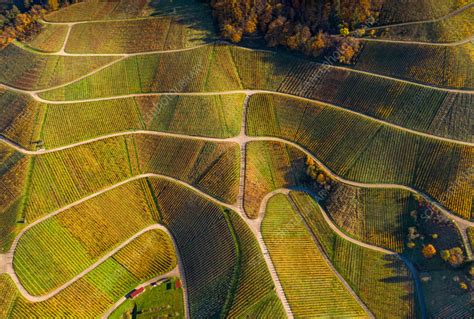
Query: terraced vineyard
[[421, 63], [32, 71], [418, 10], [294, 252], [133, 36], [408, 159], [149, 169], [51, 39], [456, 28], [353, 263]]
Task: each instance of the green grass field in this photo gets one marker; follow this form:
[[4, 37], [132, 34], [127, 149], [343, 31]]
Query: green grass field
[[93, 294], [56, 250], [156, 301]]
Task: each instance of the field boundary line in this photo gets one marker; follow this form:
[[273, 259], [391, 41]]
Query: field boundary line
[[464, 223], [253, 92], [127, 55], [341, 234], [441, 18], [83, 273], [410, 42], [173, 273], [286, 192], [10, 255], [445, 17]]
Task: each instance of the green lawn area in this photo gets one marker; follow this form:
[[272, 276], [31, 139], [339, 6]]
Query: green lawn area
[[155, 302]]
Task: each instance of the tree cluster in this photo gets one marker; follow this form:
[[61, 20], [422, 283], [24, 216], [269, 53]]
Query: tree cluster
[[18, 25], [302, 25], [22, 24]]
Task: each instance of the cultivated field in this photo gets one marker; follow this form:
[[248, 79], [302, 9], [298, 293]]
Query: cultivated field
[[382, 281], [31, 71], [100, 10], [456, 28], [357, 149], [13, 177], [311, 286], [420, 63], [94, 293], [56, 250], [157, 34], [50, 39], [414, 10], [138, 151], [20, 118]]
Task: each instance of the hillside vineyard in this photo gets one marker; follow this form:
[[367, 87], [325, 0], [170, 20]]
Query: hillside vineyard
[[237, 159]]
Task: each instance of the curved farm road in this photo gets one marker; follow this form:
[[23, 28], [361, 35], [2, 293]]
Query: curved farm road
[[6, 261], [441, 44], [242, 140], [173, 273], [447, 16], [124, 56], [328, 220], [32, 298], [247, 92]]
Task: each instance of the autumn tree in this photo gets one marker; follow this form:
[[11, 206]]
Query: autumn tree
[[296, 24], [429, 251], [53, 5]]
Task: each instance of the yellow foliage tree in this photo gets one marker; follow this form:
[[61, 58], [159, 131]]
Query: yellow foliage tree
[[53, 4], [429, 251]]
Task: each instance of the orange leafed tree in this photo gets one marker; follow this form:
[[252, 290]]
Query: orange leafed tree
[[429, 251]]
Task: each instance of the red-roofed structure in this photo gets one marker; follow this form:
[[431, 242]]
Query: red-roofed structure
[[136, 292]]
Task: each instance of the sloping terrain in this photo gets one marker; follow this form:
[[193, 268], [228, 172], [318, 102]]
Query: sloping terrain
[[136, 149]]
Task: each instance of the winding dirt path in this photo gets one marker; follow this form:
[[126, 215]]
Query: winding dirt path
[[261, 216], [247, 92], [7, 260], [32, 298], [445, 17], [328, 220], [242, 140], [124, 56], [173, 273]]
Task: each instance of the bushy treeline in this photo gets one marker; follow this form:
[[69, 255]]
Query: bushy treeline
[[22, 22], [302, 25]]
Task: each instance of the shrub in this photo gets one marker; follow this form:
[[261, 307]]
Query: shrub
[[429, 251]]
